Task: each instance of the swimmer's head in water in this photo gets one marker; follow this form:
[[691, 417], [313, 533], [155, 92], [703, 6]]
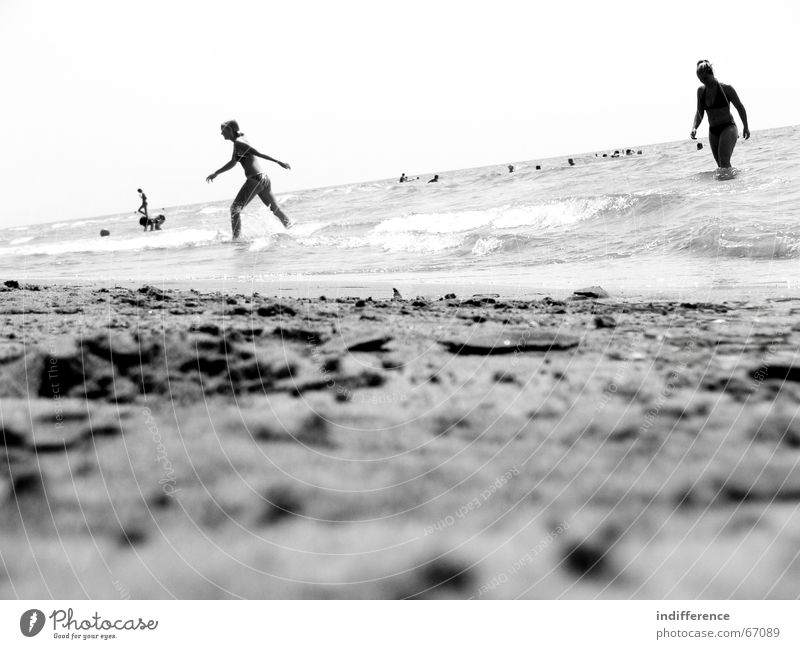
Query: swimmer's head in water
[[704, 69], [231, 127]]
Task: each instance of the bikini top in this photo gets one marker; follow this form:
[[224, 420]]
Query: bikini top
[[720, 101], [242, 153]]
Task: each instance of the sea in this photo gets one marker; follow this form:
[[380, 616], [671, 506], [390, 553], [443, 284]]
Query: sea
[[655, 220]]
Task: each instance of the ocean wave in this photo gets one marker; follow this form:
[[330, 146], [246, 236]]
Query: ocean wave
[[486, 246], [285, 199], [144, 241], [546, 215], [595, 217], [261, 243], [305, 229], [562, 212], [437, 223], [394, 242], [74, 224], [714, 241]]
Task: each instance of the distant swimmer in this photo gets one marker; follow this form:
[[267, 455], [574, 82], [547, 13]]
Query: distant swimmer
[[256, 184], [143, 207], [511, 169], [402, 178], [147, 222], [435, 179], [715, 98]]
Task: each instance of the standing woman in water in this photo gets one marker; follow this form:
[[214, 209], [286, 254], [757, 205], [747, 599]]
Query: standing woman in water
[[256, 184], [715, 98]]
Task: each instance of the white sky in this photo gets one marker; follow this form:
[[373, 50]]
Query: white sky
[[102, 97]]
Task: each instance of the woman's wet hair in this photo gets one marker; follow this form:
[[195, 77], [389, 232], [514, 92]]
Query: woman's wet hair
[[704, 65]]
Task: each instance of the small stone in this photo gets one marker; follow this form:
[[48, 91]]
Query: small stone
[[593, 292], [371, 344], [604, 322], [271, 310], [511, 342]]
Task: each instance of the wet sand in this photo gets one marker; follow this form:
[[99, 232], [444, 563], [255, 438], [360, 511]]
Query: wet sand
[[165, 443]]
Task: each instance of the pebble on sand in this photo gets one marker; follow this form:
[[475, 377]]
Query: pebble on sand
[[591, 292], [507, 341]]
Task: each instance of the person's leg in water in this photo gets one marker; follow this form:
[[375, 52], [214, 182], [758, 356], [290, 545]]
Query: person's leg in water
[[727, 142], [143, 209], [713, 143], [246, 194], [266, 196]]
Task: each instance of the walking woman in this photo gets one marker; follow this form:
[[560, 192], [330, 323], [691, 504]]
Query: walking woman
[[715, 99], [256, 184]]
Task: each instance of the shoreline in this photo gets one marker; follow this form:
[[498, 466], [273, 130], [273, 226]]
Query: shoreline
[[213, 445], [409, 286]]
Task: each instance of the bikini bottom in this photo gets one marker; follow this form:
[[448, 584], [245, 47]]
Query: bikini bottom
[[717, 129]]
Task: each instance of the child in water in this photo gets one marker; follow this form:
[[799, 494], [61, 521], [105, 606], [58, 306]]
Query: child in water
[[143, 207], [256, 183], [156, 223]]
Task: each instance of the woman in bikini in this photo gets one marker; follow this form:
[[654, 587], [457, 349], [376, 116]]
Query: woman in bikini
[[715, 98], [257, 183]]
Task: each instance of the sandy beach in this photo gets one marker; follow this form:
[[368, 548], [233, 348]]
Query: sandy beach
[[162, 443]]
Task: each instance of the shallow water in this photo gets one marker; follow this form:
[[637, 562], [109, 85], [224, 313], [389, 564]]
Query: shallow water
[[655, 221]]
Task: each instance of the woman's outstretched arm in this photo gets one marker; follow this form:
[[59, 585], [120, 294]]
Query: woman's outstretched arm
[[226, 167], [258, 154]]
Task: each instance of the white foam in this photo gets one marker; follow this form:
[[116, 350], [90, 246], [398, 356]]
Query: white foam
[[305, 229], [19, 240], [485, 246], [401, 242], [438, 222], [71, 224], [555, 213], [261, 243], [559, 213], [264, 232], [144, 241], [390, 242]]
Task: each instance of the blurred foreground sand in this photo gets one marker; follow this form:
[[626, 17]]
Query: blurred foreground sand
[[176, 444]]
